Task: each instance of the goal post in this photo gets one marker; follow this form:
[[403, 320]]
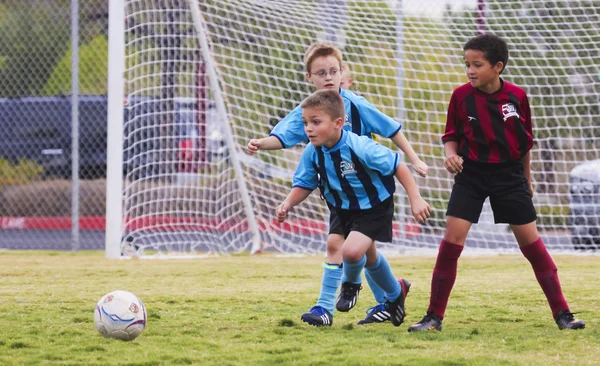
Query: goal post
[[223, 120], [202, 78], [114, 151]]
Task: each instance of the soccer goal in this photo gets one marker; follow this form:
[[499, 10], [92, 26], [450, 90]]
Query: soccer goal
[[191, 82]]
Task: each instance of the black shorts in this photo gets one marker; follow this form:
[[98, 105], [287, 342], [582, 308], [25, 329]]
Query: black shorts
[[376, 222], [506, 186], [335, 223]]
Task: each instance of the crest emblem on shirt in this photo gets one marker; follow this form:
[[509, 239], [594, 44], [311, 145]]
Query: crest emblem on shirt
[[347, 121], [347, 168], [509, 110]]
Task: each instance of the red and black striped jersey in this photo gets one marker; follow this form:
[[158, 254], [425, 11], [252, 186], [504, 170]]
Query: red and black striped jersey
[[490, 128]]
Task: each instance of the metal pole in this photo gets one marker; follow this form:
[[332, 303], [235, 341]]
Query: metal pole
[[400, 115], [222, 111], [334, 19], [480, 17], [75, 125], [116, 93]]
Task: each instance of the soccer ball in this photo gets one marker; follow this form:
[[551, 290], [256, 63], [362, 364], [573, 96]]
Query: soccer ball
[[120, 315]]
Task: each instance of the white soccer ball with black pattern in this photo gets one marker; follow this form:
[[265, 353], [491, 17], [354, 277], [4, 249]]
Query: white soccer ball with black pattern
[[120, 315]]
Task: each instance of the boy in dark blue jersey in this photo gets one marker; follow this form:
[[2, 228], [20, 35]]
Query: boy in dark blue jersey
[[324, 70], [356, 177], [487, 143]]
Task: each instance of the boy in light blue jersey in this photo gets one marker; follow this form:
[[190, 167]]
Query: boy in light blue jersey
[[324, 70], [356, 177]]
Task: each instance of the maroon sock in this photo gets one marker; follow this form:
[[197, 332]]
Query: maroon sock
[[444, 275], [546, 273]]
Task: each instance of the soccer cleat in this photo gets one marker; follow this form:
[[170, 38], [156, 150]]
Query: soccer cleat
[[317, 316], [375, 314], [378, 313], [429, 322], [348, 296], [566, 320], [396, 308]]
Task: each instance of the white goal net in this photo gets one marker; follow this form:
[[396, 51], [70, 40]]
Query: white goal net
[[183, 194]]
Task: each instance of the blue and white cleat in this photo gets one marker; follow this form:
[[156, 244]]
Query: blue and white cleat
[[317, 316]]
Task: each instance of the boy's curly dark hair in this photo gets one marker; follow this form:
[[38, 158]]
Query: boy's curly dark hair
[[493, 47]]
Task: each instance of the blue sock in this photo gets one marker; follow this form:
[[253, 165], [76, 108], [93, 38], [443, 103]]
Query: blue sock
[[352, 271], [382, 275], [378, 293], [332, 275]]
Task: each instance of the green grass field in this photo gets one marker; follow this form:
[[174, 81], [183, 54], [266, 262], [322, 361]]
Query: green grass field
[[246, 310]]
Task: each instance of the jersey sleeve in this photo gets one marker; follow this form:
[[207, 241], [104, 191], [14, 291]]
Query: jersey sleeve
[[290, 130], [452, 121], [306, 172], [374, 120], [527, 114], [375, 156]]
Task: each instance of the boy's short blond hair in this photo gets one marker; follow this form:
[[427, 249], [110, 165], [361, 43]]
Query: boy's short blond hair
[[321, 50], [327, 100], [346, 68]]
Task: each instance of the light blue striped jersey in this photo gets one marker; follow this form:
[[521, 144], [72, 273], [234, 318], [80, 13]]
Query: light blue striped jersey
[[362, 118], [356, 174]]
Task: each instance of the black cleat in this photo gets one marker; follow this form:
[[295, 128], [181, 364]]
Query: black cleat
[[375, 314], [566, 320], [317, 316], [396, 308], [348, 296], [429, 322], [379, 313]]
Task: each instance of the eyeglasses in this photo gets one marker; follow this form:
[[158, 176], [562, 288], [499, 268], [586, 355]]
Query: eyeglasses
[[323, 73]]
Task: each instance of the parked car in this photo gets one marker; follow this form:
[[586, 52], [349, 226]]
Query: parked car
[[584, 205], [39, 129], [186, 134]]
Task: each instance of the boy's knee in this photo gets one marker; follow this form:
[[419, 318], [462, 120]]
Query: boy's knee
[[455, 239], [334, 248], [352, 255], [335, 242]]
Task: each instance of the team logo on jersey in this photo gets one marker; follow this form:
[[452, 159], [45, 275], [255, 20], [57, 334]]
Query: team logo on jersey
[[347, 121], [347, 168], [509, 110]]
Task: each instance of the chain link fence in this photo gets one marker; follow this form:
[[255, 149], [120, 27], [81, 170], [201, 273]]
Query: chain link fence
[[36, 185]]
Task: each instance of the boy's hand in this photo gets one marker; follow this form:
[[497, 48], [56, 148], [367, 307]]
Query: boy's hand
[[253, 146], [454, 164], [281, 211], [531, 190], [421, 168], [420, 210]]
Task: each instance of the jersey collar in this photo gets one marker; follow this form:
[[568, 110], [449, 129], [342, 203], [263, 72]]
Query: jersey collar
[[491, 94], [339, 143]]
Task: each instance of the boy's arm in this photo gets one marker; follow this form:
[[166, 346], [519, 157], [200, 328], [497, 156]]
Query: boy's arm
[[378, 122], [527, 158], [527, 170], [296, 195], [400, 140], [420, 209], [266, 143], [304, 182], [453, 162], [288, 132]]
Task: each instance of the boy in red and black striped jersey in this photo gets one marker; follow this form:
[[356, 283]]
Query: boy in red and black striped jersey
[[487, 143]]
